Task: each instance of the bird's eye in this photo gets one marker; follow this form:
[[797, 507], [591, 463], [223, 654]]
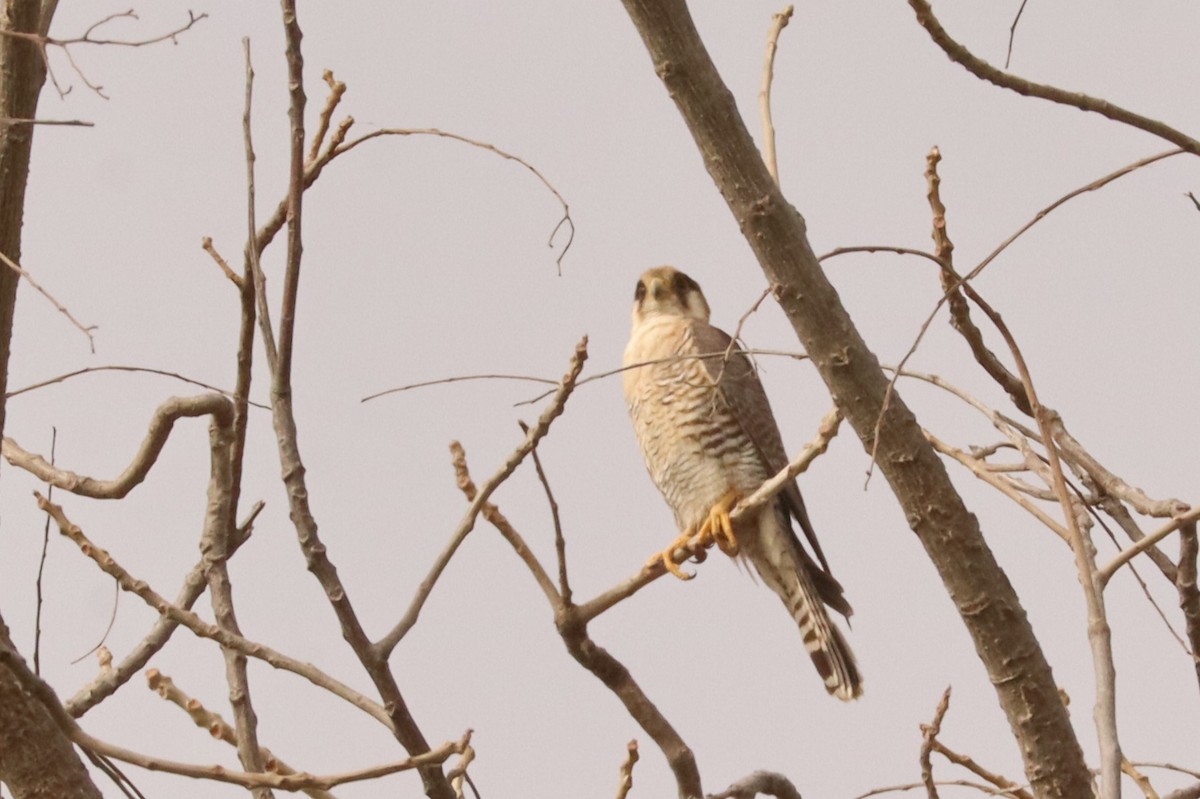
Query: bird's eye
[[684, 284], [640, 292]]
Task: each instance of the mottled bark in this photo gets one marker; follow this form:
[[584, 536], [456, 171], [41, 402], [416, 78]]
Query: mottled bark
[[951, 536]]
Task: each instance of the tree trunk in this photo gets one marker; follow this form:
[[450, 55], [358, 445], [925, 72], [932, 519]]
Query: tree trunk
[[37, 758], [981, 592]]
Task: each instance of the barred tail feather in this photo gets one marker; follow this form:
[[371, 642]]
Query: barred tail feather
[[785, 572]]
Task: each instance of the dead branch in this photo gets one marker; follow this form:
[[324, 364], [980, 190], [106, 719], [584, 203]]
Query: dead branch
[[156, 438], [1136, 549], [631, 757], [553, 410], [113, 678], [266, 780], [1007, 786], [207, 244], [778, 23], [985, 71], [77, 123], [201, 628], [458, 379], [1012, 33], [560, 543], [62, 309], [43, 41], [336, 90], [216, 726], [215, 542], [498, 520], [929, 732], [1189, 595], [114, 368], [960, 311]]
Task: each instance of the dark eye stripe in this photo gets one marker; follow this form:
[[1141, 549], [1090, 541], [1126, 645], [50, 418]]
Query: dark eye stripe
[[640, 292], [684, 284]]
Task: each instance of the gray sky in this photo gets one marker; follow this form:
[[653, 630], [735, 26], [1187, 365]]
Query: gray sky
[[425, 258]]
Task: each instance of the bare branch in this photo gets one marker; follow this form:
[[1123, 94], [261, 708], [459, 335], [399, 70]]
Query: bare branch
[[216, 726], [778, 23], [631, 757], [566, 220], [113, 368], [336, 90], [1012, 33], [929, 733], [202, 628], [194, 584], [207, 244], [498, 520], [1185, 585], [553, 411], [1006, 785], [79, 123], [1131, 552], [560, 543], [156, 438], [458, 379], [62, 309], [266, 780], [982, 69]]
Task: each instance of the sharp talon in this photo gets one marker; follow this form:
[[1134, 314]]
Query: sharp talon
[[666, 557], [718, 527]]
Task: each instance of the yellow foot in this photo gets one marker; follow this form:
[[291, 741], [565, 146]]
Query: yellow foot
[[667, 556], [718, 527]]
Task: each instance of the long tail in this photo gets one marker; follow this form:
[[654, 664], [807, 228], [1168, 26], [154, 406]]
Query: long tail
[[784, 567]]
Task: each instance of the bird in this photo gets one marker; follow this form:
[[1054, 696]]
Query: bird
[[709, 438]]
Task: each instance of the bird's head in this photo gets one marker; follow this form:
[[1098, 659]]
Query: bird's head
[[665, 291]]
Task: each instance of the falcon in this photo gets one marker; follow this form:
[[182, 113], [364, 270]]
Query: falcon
[[709, 438]]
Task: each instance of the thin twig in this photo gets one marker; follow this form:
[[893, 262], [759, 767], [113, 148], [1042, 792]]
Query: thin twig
[[254, 240], [1012, 33], [37, 613], [458, 379], [1000, 781], [560, 543], [566, 219], [114, 368], [62, 309]]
